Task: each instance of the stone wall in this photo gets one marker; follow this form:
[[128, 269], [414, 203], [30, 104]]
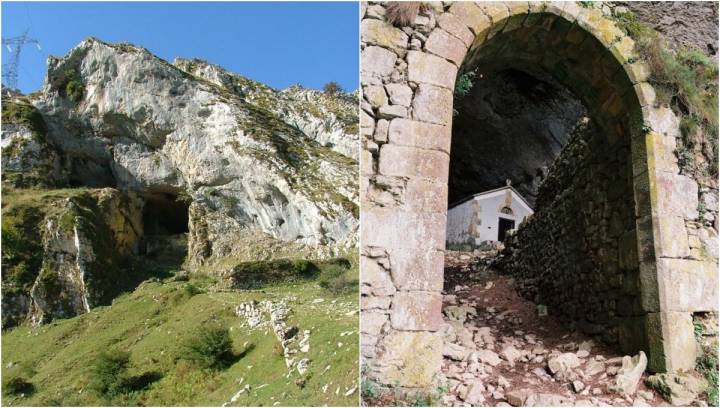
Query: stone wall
[[578, 253]]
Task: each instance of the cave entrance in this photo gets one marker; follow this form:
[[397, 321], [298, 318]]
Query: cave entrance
[[165, 214], [166, 225]]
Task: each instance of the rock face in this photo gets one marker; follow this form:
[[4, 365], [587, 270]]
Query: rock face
[[281, 163], [246, 171], [511, 125], [681, 22], [85, 239]]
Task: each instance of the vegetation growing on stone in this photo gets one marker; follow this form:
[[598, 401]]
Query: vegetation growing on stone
[[686, 80], [21, 111]]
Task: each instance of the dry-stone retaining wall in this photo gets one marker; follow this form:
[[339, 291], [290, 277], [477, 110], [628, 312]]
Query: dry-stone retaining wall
[[408, 75], [578, 253]]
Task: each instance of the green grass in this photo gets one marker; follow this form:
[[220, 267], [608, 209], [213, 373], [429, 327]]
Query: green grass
[[153, 322]]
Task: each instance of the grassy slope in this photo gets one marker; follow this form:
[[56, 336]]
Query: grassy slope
[[152, 322]]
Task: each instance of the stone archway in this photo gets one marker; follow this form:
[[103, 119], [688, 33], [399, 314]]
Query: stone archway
[[408, 77]]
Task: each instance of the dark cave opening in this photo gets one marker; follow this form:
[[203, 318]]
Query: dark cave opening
[[512, 125], [165, 214]]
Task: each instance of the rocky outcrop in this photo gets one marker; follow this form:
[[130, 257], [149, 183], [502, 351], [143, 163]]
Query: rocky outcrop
[[329, 119], [681, 22], [27, 157], [250, 156], [86, 239]]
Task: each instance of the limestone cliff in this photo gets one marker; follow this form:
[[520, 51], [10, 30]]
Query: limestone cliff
[[247, 171], [140, 123]]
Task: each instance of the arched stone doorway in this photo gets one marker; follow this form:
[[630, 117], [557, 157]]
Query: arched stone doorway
[[408, 76]]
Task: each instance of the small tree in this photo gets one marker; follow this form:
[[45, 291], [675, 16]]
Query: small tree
[[209, 347], [110, 372], [332, 88]]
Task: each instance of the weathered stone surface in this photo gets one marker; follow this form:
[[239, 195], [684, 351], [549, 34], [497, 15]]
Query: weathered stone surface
[[375, 94], [677, 195], [487, 357], [455, 352], [408, 132], [679, 389], [450, 23], [383, 34], [392, 111], [376, 277], [474, 395], [689, 285], [673, 237], [413, 162], [381, 131], [376, 63], [400, 94], [400, 365], [416, 311], [430, 69], [517, 398], [426, 196], [372, 322], [470, 15], [433, 104], [417, 270], [447, 46], [414, 231], [629, 375], [563, 363]]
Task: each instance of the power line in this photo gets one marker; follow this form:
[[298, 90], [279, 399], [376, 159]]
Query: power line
[[14, 46]]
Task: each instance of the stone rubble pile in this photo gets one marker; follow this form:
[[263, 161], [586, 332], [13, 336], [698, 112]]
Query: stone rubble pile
[[274, 314], [492, 357]]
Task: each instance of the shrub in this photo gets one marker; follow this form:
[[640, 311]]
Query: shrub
[[403, 13], [210, 347], [332, 88], [333, 279], [75, 90], [18, 385], [464, 84], [191, 290], [707, 365], [110, 373], [255, 274]]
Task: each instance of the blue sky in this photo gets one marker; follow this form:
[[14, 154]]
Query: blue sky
[[278, 44]]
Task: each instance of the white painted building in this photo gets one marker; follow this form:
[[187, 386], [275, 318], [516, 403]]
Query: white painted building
[[486, 216]]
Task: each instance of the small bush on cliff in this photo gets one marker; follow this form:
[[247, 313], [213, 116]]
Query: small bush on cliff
[[74, 88], [209, 347], [332, 88], [110, 373]]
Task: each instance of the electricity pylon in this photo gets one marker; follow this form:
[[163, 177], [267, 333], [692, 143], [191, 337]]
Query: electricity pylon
[[14, 46]]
